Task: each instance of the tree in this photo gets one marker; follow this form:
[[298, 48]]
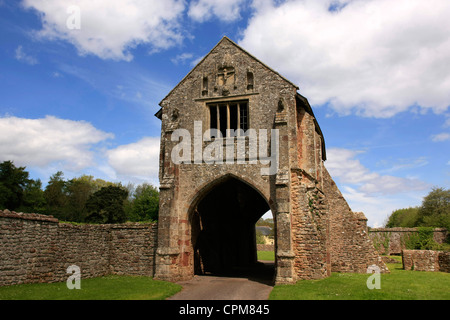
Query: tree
[[144, 203], [33, 200], [406, 218], [13, 181], [78, 191], [434, 212], [56, 197], [435, 209], [107, 205]]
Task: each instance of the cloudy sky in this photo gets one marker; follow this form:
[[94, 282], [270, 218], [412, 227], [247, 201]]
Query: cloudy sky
[[80, 82]]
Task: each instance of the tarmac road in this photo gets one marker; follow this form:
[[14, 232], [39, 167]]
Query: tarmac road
[[248, 284]]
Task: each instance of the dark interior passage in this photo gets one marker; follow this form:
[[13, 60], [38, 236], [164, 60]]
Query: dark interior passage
[[223, 227]]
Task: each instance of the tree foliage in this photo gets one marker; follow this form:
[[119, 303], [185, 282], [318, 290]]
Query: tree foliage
[[434, 212], [107, 205], [55, 196], [435, 209], [13, 181], [405, 218], [80, 199], [144, 203], [33, 198]]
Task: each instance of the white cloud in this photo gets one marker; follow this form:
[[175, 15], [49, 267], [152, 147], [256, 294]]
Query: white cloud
[[343, 165], [110, 28], [22, 56], [447, 121], [43, 142], [374, 194], [139, 159], [182, 58], [373, 58], [377, 209], [224, 10], [403, 164], [441, 137]]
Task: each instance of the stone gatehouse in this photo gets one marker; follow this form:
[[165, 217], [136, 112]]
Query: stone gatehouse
[[213, 190], [238, 140]]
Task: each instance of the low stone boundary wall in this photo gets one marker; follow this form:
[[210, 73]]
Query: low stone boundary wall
[[37, 248], [426, 260], [391, 241], [265, 247]]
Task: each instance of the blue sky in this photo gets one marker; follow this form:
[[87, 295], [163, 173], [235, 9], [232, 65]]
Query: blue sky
[[376, 72]]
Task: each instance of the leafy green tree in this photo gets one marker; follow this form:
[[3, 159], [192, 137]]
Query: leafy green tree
[[78, 192], [107, 205], [406, 218], [259, 237], [33, 198], [13, 181], [434, 212], [56, 197], [435, 209], [144, 203]]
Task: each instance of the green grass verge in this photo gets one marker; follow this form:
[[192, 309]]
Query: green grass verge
[[266, 255], [397, 285], [103, 288]]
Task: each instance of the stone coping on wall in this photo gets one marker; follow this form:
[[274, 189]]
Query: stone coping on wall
[[48, 218], [265, 247], [399, 229], [27, 216], [39, 248]]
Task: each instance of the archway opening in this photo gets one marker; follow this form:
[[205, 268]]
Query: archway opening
[[223, 230]]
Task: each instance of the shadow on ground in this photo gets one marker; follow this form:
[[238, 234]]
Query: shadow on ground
[[246, 283]]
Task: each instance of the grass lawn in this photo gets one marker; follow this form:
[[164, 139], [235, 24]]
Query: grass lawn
[[266, 255], [103, 288], [397, 285]]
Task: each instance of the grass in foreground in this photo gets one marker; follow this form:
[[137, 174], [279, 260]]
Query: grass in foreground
[[103, 288], [266, 255], [398, 285]]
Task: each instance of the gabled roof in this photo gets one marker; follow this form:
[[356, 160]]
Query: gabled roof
[[217, 45], [299, 97]]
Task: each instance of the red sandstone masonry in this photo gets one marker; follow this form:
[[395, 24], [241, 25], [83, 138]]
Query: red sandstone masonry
[[351, 248], [37, 248], [426, 260]]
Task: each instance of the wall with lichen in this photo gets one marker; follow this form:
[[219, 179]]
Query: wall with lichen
[[37, 248]]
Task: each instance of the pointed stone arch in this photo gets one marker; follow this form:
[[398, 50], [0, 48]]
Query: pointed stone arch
[[222, 218]]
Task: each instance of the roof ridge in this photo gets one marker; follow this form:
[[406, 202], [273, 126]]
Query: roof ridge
[[237, 46]]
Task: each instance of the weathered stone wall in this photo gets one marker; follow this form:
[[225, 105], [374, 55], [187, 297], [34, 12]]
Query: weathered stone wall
[[426, 260], [28, 248], [265, 247], [316, 232], [132, 249], [310, 231], [37, 248], [351, 248], [391, 241], [183, 184]]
